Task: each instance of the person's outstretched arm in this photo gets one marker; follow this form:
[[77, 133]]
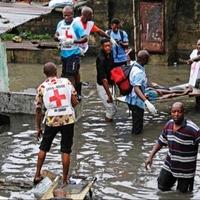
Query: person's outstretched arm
[[191, 60], [74, 100], [103, 33], [38, 122], [149, 160], [140, 94], [106, 87]]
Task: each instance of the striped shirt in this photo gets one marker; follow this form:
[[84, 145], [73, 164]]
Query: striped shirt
[[183, 148]]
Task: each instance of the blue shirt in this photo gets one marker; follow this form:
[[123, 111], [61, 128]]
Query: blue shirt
[[137, 77], [79, 33], [183, 148], [119, 53]]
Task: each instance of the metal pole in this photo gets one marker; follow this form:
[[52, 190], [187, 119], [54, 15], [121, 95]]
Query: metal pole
[[3, 69], [134, 28]]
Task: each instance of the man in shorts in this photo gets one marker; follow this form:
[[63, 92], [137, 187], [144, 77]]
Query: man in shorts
[[59, 98], [70, 34], [182, 137]]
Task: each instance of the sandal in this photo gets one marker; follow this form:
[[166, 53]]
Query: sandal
[[37, 180]]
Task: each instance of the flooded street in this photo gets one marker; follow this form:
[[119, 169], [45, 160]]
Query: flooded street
[[106, 151]]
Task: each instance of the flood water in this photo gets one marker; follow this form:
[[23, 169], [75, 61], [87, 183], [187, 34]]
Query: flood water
[[106, 151]]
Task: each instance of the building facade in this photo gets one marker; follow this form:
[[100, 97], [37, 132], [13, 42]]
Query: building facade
[[168, 29]]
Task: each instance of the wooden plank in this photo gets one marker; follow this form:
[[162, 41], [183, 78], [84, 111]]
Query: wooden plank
[[49, 193], [194, 93], [22, 45], [83, 193], [3, 198], [51, 44], [178, 98], [78, 196]]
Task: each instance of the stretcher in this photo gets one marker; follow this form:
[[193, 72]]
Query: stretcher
[[183, 87]]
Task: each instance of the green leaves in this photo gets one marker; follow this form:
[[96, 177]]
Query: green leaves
[[27, 35]]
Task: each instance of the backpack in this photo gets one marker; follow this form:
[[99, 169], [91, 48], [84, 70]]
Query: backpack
[[120, 76]]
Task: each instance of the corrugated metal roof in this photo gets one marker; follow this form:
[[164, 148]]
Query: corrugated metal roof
[[19, 13]]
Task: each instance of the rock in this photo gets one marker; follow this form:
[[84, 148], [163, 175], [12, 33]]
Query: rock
[[17, 39]]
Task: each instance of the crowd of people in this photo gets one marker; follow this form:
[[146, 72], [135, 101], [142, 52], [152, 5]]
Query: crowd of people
[[59, 96]]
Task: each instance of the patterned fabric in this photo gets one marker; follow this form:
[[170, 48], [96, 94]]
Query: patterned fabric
[[137, 77], [183, 148], [53, 120]]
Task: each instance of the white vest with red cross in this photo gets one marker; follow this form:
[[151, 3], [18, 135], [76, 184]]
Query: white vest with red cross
[[66, 31], [87, 30], [57, 97]]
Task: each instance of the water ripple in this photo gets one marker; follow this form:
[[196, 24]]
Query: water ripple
[[107, 151]]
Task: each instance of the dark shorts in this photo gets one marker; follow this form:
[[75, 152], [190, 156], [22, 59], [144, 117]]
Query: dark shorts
[[67, 133], [166, 181], [70, 65]]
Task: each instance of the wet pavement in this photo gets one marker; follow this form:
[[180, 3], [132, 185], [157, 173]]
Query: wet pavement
[[107, 151]]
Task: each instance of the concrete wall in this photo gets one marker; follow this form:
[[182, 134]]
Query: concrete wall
[[122, 10], [33, 56], [20, 102], [182, 27], [170, 31], [42, 25], [188, 26], [16, 102]]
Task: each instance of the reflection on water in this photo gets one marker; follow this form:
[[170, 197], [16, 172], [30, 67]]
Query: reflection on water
[[106, 151]]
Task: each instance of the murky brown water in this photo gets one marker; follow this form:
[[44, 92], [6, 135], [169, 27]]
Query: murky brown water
[[106, 151]]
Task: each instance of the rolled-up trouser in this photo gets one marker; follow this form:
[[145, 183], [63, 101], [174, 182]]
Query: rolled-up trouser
[[137, 118], [166, 181], [110, 108]]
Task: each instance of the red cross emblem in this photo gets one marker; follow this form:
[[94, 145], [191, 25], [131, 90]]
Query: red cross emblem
[[68, 35], [57, 97]]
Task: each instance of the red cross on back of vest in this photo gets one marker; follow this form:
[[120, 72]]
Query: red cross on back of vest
[[68, 35], [57, 98]]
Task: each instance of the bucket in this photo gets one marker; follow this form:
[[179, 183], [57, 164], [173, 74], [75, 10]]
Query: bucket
[[42, 187]]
